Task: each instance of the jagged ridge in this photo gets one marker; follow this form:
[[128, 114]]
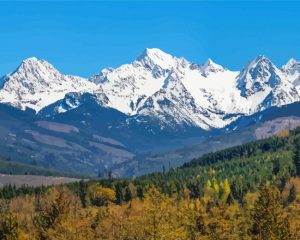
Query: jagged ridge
[[171, 90]]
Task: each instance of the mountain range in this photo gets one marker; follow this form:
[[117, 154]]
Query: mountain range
[[156, 103]]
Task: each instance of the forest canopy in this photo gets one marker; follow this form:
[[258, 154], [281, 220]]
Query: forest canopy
[[245, 192]]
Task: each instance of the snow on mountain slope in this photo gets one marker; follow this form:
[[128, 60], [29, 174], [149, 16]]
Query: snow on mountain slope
[[36, 84], [258, 76], [291, 70], [264, 85], [282, 94], [218, 94], [129, 85], [71, 101], [210, 67], [173, 105], [213, 88], [172, 90]]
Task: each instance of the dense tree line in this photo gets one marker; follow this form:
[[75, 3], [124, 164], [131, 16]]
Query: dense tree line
[[61, 214], [11, 191]]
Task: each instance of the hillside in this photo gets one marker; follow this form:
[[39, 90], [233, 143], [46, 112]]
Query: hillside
[[7, 166], [255, 127], [228, 194], [244, 166], [65, 144]]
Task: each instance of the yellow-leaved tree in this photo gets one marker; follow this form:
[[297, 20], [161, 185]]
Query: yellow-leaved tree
[[101, 196]]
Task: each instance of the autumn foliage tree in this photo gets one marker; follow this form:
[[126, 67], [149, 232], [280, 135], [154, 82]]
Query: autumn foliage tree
[[268, 220], [52, 216], [101, 196], [8, 226]]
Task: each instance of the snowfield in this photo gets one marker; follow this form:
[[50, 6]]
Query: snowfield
[[169, 89]]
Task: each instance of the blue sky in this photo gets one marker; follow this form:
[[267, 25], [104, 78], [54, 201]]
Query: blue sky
[[82, 38]]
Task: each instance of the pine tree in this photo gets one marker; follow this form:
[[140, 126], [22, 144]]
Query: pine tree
[[292, 194], [282, 182], [267, 217], [83, 193], [53, 215], [128, 194], [140, 192], [110, 176], [163, 169], [296, 157], [119, 193]]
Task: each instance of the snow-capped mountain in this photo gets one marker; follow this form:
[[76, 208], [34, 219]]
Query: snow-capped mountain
[[291, 71], [211, 67], [128, 86], [36, 84], [131, 87], [170, 90], [258, 76], [156, 103], [264, 85]]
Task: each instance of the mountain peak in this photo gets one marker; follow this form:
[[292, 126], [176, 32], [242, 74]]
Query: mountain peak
[[35, 65], [34, 62], [261, 57], [211, 66], [292, 61], [290, 64], [30, 59], [261, 61], [151, 57], [36, 84], [211, 63], [258, 76], [292, 71], [153, 52]]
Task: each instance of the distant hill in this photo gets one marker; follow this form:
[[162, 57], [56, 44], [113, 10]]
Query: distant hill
[[267, 126], [245, 167], [8, 166]]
